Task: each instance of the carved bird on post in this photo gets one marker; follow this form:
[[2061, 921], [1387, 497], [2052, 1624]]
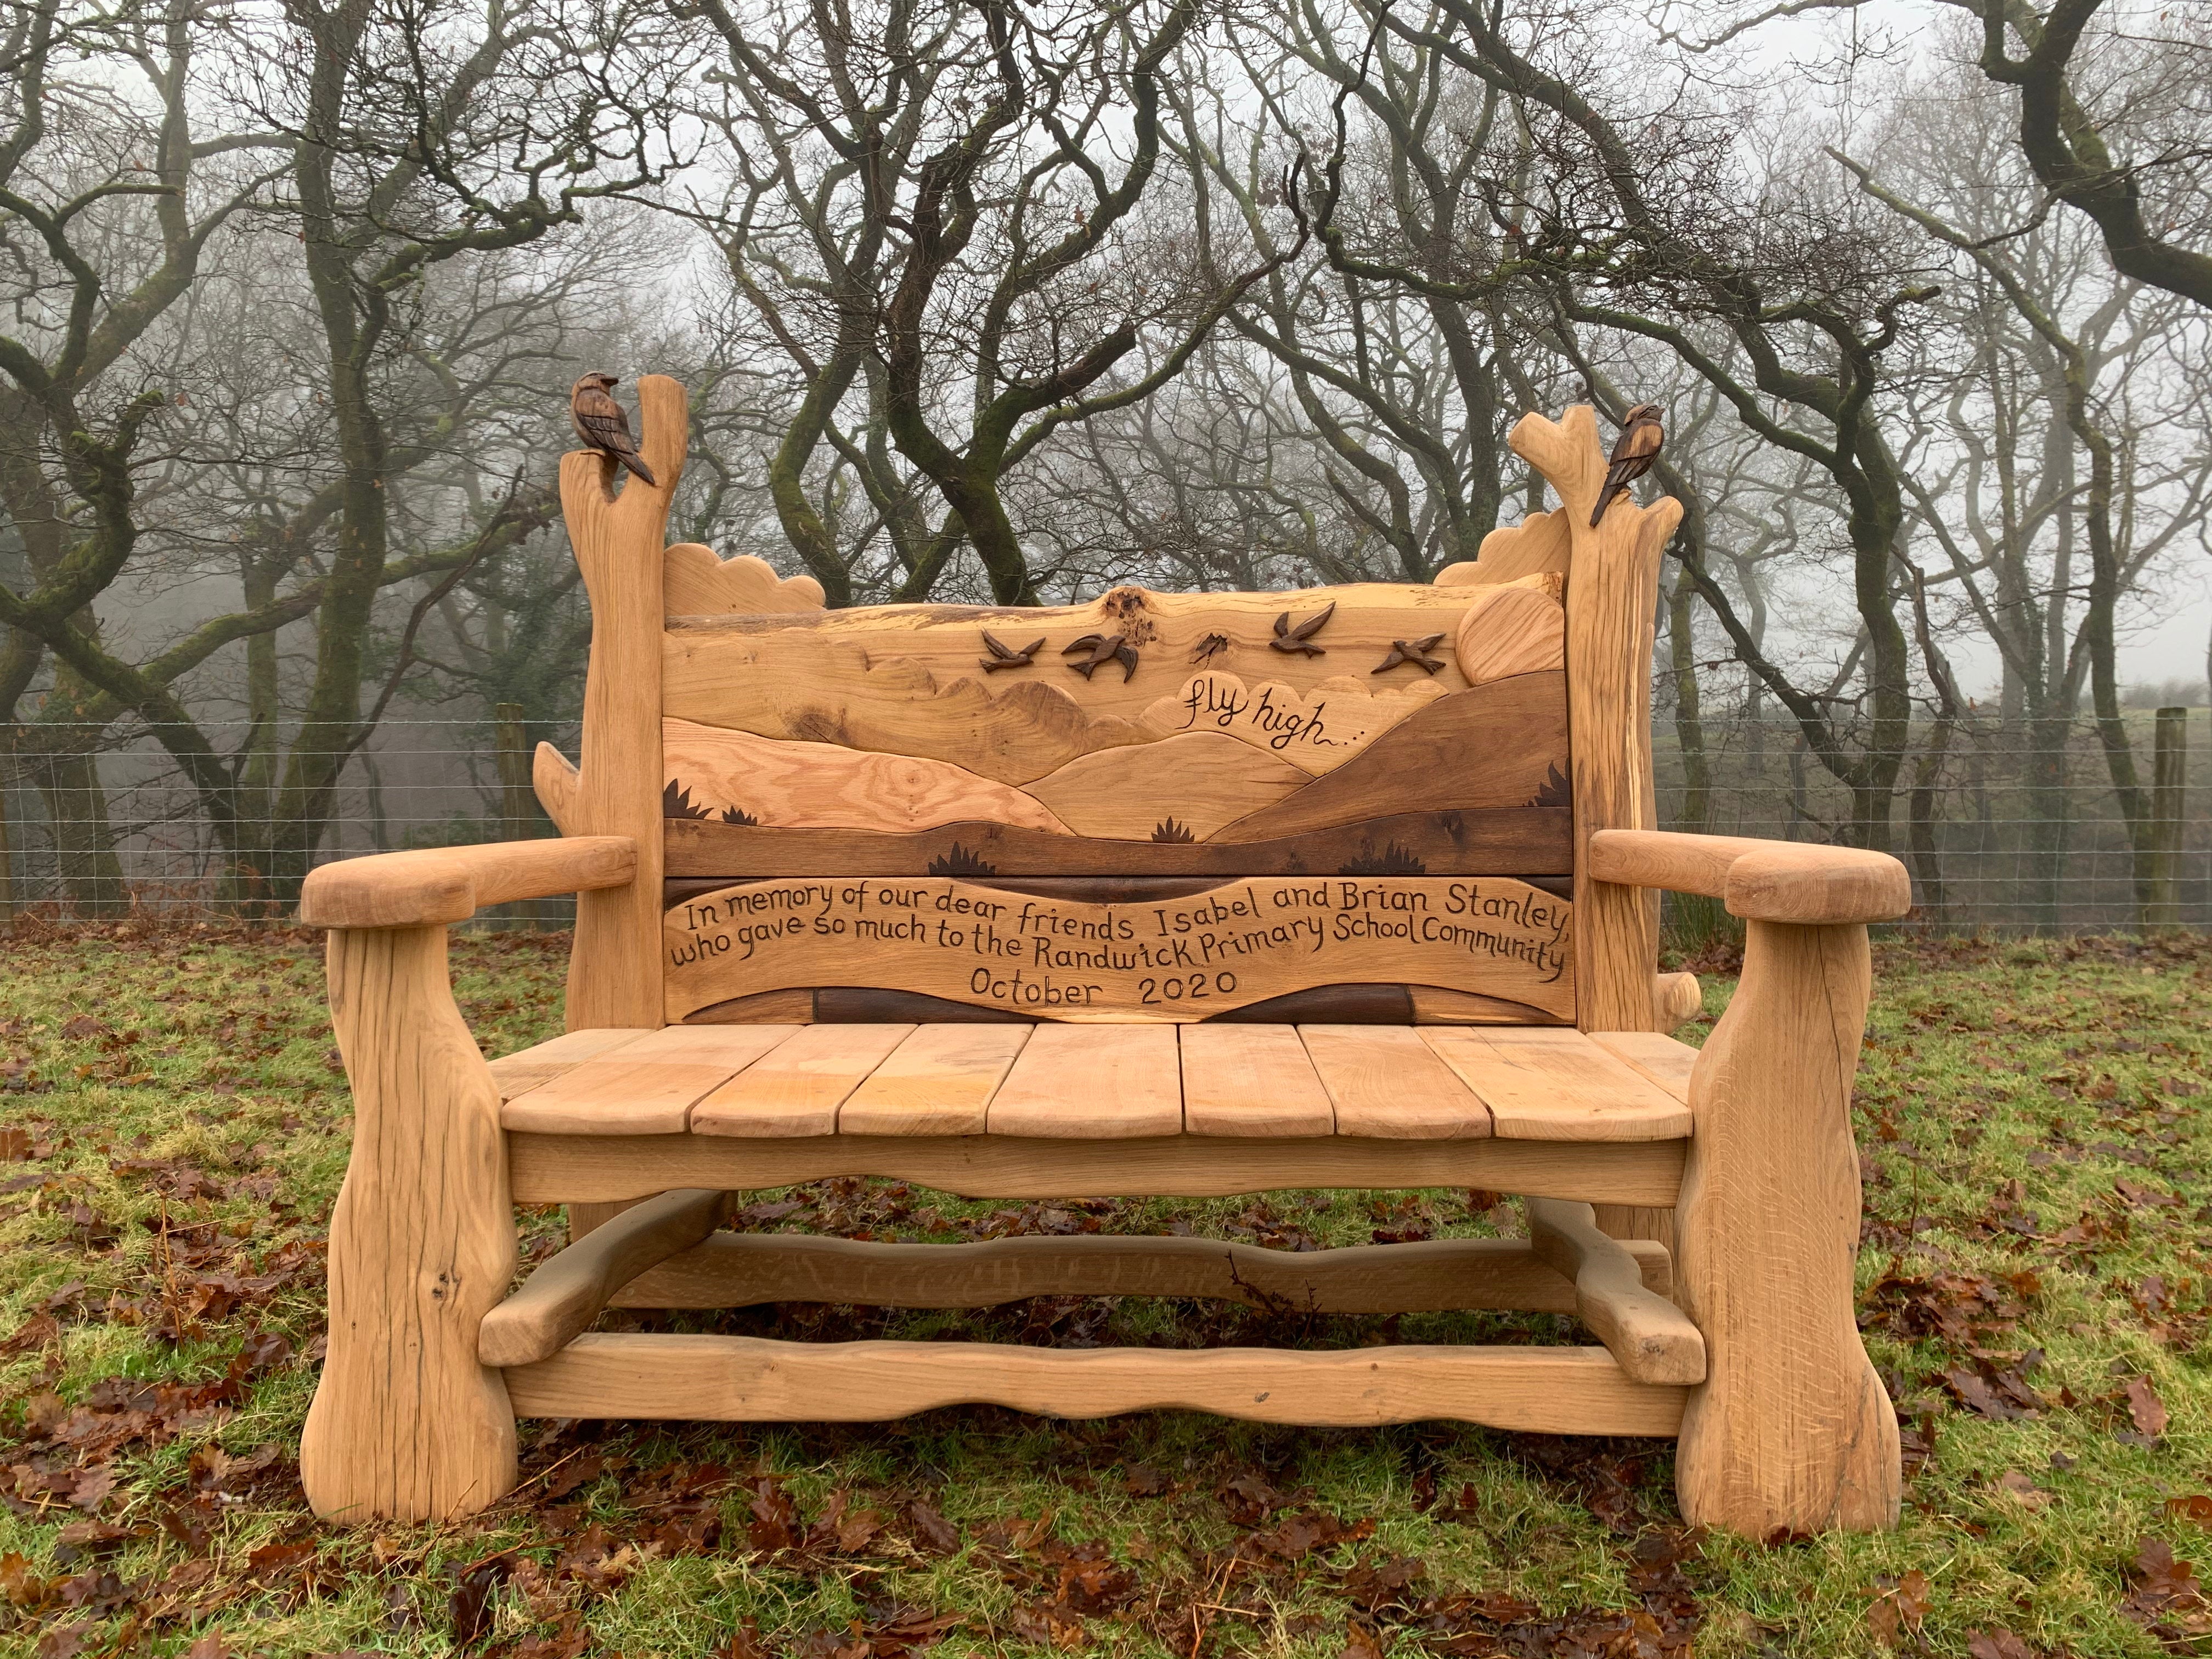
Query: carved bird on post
[[601, 424], [1633, 452], [1415, 652]]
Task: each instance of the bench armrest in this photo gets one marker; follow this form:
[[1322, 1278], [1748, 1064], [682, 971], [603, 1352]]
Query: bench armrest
[[451, 884], [1757, 880]]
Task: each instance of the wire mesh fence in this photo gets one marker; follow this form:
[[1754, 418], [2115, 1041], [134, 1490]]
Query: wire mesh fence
[[2005, 828]]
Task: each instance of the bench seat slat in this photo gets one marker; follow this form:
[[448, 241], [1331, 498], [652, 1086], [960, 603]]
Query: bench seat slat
[[1092, 1083], [1548, 1083], [1386, 1083], [939, 1082], [1251, 1081], [797, 1088], [646, 1086], [1665, 1060]]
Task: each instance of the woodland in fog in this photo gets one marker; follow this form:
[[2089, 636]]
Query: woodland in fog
[[980, 301]]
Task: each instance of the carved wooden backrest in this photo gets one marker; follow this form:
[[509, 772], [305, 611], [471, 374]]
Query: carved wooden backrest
[[1353, 802]]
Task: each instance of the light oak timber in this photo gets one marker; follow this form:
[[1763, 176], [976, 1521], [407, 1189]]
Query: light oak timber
[[1612, 595], [1661, 1060], [557, 784], [1647, 1334], [1518, 840], [1538, 544], [1199, 780], [795, 677], [1488, 747], [739, 1379], [647, 1086], [561, 1299], [937, 1082], [519, 1073], [1791, 1430], [738, 1270], [567, 1169], [435, 885], [1675, 999], [1180, 961], [1251, 1081], [825, 786], [797, 1086], [1383, 1081], [1554, 1084], [590, 1217], [1759, 880], [694, 582], [614, 970], [1520, 627], [406, 1424], [1117, 1082], [1317, 730]]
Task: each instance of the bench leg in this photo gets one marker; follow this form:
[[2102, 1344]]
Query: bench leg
[[406, 1424], [1792, 1431]]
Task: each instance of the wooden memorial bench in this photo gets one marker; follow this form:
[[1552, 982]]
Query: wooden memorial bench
[[1161, 894]]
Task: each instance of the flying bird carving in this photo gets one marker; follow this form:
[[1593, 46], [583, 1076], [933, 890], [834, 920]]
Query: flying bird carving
[[1104, 648], [601, 424], [1633, 452], [1415, 652], [1299, 640], [1209, 648], [1004, 656]]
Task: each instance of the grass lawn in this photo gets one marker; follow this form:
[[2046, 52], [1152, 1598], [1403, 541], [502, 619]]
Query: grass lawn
[[2033, 1286]]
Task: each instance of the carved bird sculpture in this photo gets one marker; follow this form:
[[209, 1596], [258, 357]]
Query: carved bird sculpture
[[1004, 656], [1298, 640], [1209, 648], [1633, 452], [601, 424], [1104, 648], [1415, 652]]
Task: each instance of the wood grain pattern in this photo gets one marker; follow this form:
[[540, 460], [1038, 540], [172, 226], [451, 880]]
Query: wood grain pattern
[[1538, 544], [1652, 1338], [406, 1424], [696, 583], [1178, 961], [1196, 782], [1251, 1081], [568, 1168], [1612, 599], [736, 1270], [1791, 1431], [646, 1087], [742, 1379], [525, 1069], [1531, 841], [439, 884], [823, 785], [1759, 880], [938, 1082], [796, 1088], [561, 1299], [1499, 745], [1433, 1005], [1519, 628], [795, 1007], [557, 784], [1554, 1084], [1659, 1058], [1385, 1083], [614, 972], [1675, 999], [1317, 730], [906, 678], [1092, 1082]]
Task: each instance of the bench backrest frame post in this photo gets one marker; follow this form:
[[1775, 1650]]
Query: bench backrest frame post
[[1613, 584], [614, 971]]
